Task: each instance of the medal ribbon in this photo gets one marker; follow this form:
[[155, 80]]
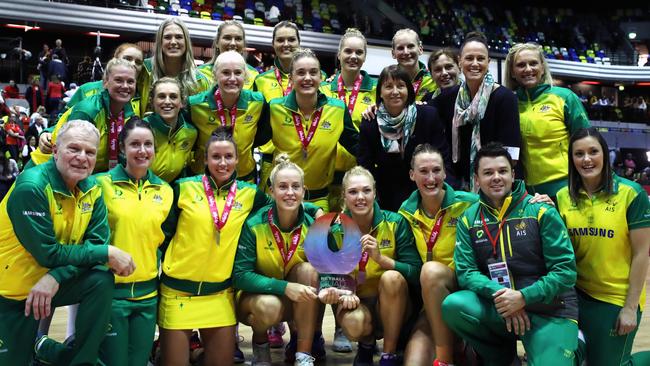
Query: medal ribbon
[[222, 112], [494, 240], [219, 223], [278, 77], [115, 127], [433, 237], [363, 262], [416, 86], [353, 95], [297, 122], [295, 239]]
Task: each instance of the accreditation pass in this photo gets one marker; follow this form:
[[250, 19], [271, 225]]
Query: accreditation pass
[[499, 273]]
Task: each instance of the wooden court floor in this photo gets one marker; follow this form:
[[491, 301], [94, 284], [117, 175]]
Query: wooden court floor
[[58, 329]]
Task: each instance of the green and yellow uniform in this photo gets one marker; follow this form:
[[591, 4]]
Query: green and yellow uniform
[[344, 160], [197, 269], [173, 146], [531, 239], [95, 110], [146, 75], [259, 266], [599, 227], [136, 212], [548, 115], [47, 229], [252, 111], [207, 71], [426, 83], [394, 240], [453, 205], [267, 84], [334, 127]]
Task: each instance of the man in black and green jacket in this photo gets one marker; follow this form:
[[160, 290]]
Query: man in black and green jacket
[[516, 266]]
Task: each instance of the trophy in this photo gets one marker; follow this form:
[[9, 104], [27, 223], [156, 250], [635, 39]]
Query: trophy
[[334, 267]]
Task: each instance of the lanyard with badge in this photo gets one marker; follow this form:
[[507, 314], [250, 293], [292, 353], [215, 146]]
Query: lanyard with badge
[[498, 270], [278, 77], [416, 86], [221, 112], [219, 223], [353, 95], [279, 241], [115, 127], [305, 140]]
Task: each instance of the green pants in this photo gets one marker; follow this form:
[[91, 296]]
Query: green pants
[[550, 341], [604, 346], [130, 332], [93, 290]]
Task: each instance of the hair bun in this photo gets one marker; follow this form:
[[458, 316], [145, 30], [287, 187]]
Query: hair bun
[[282, 158]]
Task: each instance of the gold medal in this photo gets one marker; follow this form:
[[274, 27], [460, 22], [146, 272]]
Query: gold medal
[[304, 154], [218, 237], [429, 256]]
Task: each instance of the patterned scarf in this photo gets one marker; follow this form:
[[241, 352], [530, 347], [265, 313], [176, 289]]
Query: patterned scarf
[[392, 129], [470, 111]]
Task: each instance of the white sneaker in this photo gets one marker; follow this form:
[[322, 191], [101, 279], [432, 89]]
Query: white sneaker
[[304, 359], [261, 354], [341, 342]]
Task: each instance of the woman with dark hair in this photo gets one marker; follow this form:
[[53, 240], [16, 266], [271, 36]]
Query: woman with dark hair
[[606, 214], [478, 111], [443, 66], [548, 115], [230, 37], [386, 142], [202, 235], [130, 190]]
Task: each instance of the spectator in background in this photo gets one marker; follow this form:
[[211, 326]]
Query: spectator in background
[[629, 162], [55, 90], [70, 92], [640, 109], [13, 137], [37, 126], [57, 68], [11, 90], [4, 110], [44, 58], [60, 51], [34, 94], [84, 71], [27, 149], [8, 173]]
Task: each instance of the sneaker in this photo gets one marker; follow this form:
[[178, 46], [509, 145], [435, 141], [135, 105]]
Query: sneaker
[[364, 355], [341, 342], [304, 359], [275, 334], [261, 354], [239, 355], [44, 346], [317, 348], [389, 359]]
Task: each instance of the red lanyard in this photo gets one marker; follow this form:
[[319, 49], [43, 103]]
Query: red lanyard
[[433, 237], [363, 262], [353, 95], [295, 239], [416, 86], [305, 140], [278, 77], [114, 129], [222, 113], [219, 223], [503, 221]]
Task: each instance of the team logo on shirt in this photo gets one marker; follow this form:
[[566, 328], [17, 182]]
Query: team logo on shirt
[[185, 145], [157, 199], [109, 331], [269, 246], [326, 125], [237, 206], [385, 243], [86, 207], [520, 229], [117, 194], [452, 222], [611, 205], [274, 84], [211, 119], [287, 121], [545, 108], [197, 198], [366, 100], [248, 118]]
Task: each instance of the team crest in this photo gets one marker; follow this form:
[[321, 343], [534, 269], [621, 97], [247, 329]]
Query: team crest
[[237, 205], [197, 198], [520, 229], [248, 118], [86, 207], [287, 121], [366, 100], [157, 199], [452, 222], [480, 233], [211, 119], [326, 125], [185, 145], [545, 108], [385, 243]]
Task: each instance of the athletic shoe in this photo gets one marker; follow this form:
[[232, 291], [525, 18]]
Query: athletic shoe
[[304, 359], [261, 355], [275, 334], [239, 355], [317, 348], [341, 342], [364, 355], [389, 359], [44, 346]]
